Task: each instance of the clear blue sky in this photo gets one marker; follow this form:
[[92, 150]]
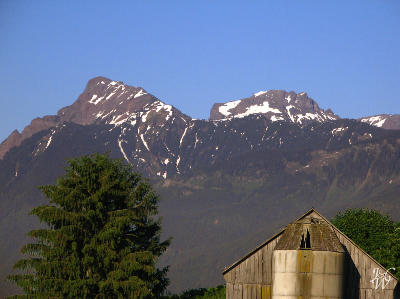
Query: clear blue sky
[[344, 54]]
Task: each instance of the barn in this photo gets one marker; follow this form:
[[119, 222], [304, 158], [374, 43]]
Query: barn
[[310, 258]]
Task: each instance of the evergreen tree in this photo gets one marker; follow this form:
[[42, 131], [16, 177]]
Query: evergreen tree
[[102, 240]]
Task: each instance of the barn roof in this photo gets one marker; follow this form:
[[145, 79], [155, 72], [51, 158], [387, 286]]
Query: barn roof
[[311, 211], [309, 233], [227, 269]]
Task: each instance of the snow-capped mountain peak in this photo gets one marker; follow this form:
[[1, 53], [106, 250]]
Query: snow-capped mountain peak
[[277, 105], [106, 101], [103, 101]]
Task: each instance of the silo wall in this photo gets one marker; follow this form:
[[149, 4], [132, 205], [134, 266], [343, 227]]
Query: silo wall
[[307, 274]]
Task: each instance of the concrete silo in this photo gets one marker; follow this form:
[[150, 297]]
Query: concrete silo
[[308, 262]]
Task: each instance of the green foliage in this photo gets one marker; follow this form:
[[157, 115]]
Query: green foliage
[[212, 293], [101, 240], [375, 233]]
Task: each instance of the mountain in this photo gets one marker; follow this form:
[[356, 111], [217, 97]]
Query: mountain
[[275, 105], [385, 121], [112, 102], [103, 101], [226, 183]]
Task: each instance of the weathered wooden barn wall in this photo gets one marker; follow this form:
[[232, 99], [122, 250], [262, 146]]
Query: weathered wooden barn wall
[[361, 273], [252, 278]]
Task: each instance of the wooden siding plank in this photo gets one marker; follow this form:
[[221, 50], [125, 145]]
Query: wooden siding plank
[[389, 294], [259, 291], [229, 291], [237, 292], [268, 265], [245, 292], [233, 273], [252, 276], [368, 294], [246, 272], [249, 263], [264, 265], [241, 273], [259, 267], [256, 271], [255, 268], [240, 269]]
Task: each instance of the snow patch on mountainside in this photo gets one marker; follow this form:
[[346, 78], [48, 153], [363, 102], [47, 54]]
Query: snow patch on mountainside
[[53, 131], [118, 120], [257, 94], [110, 95], [183, 136], [339, 131], [224, 109], [263, 108], [49, 142], [95, 100], [312, 116], [122, 149], [288, 111], [168, 108], [144, 142], [276, 118], [376, 121], [140, 93]]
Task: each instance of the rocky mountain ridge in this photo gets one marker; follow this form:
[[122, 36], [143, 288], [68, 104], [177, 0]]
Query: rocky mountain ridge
[[113, 102]]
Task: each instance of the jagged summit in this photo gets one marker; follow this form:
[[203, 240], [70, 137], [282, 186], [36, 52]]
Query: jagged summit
[[106, 100], [276, 105], [103, 101]]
